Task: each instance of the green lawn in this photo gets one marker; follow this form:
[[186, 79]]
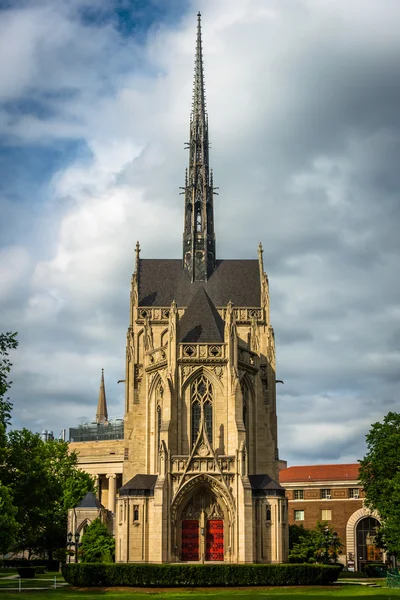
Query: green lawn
[[301, 593], [43, 580]]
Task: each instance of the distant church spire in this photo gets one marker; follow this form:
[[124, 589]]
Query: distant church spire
[[102, 415], [198, 236]]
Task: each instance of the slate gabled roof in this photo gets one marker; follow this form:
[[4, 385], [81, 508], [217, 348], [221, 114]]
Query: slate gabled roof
[[90, 501], [163, 280], [140, 485], [264, 485], [201, 321]]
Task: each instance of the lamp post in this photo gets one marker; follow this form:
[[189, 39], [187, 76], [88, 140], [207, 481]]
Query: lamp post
[[75, 544], [69, 543]]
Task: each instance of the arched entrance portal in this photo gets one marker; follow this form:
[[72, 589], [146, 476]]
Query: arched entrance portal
[[202, 527], [365, 542]]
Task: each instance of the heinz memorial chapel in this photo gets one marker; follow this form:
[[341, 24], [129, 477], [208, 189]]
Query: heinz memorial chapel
[[199, 462]]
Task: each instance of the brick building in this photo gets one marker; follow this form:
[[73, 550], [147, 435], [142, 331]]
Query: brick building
[[332, 494]]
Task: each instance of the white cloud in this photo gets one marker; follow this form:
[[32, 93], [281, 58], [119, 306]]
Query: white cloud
[[303, 107]]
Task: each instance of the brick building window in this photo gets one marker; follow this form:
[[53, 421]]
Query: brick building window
[[326, 515], [298, 494], [299, 515], [354, 492], [325, 494]]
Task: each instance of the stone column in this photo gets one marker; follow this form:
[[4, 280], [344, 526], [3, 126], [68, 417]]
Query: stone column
[[112, 491]]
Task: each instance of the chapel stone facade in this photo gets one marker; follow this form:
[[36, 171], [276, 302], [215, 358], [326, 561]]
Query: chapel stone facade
[[200, 467]]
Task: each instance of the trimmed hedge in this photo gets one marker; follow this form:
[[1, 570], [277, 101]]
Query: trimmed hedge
[[172, 575], [13, 563], [26, 572]]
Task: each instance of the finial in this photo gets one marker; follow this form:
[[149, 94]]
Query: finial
[[137, 252], [102, 373], [260, 260]]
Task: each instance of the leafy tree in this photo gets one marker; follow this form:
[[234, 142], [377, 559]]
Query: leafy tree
[[303, 544], [8, 524], [312, 545], [380, 477], [98, 545], [8, 341], [39, 481], [45, 483]]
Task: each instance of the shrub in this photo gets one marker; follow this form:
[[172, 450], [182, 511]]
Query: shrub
[[375, 570], [98, 545], [166, 575], [40, 570], [26, 572]]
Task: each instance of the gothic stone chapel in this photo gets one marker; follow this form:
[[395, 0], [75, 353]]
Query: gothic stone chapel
[[200, 465]]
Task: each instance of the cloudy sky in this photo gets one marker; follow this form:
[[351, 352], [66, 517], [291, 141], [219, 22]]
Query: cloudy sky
[[303, 99]]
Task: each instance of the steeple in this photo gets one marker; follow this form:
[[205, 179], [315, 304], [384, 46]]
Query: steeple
[[102, 415], [198, 235]]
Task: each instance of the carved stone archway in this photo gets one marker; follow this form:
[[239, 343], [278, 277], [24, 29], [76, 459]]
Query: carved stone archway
[[202, 499]]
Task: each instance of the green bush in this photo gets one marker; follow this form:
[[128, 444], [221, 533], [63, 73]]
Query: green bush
[[26, 572], [375, 570], [166, 575]]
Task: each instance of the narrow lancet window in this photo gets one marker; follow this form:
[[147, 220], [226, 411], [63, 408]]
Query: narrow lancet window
[[208, 420], [159, 421], [201, 402], [196, 416]]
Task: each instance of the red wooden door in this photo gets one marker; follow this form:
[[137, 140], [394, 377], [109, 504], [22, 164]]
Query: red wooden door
[[215, 539], [190, 539]]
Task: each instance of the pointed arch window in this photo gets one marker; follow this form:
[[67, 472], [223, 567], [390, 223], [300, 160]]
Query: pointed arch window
[[201, 394], [198, 220]]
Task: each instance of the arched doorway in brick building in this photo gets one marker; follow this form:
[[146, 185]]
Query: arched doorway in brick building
[[367, 551], [360, 539]]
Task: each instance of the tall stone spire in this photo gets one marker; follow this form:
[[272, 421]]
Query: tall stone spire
[[198, 236], [102, 415]]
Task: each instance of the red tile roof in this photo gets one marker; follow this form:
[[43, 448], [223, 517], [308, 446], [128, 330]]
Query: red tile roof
[[319, 473]]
